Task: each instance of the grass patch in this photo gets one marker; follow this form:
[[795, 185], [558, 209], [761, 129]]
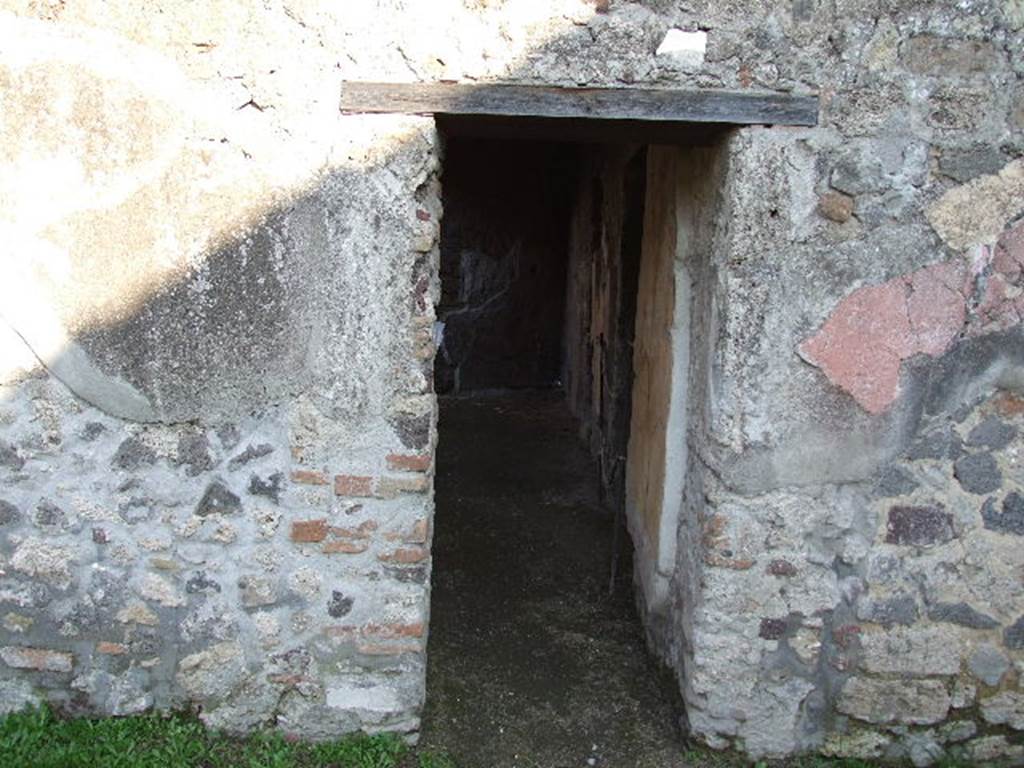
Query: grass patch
[[40, 739]]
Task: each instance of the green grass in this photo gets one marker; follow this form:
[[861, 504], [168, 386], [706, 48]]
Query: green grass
[[39, 739]]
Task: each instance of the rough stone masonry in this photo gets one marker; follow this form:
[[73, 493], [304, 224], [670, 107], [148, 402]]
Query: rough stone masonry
[[217, 404]]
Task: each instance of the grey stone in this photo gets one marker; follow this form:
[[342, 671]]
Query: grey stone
[[9, 456], [8, 513], [49, 515], [1010, 520], [137, 509], [257, 591], [133, 454], [894, 481], [416, 575], [93, 430], [339, 605], [938, 444], [988, 664], [992, 433], [16, 695], [218, 500], [271, 487], [919, 526], [194, 454], [251, 453], [957, 731], [964, 165], [961, 614], [859, 173], [117, 695], [1013, 635], [914, 702], [917, 650], [213, 673], [199, 582], [413, 431], [901, 609], [228, 435], [949, 56], [1005, 708], [978, 473], [45, 561], [922, 749]]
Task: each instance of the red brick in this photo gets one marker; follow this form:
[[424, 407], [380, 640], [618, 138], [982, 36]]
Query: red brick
[[376, 632], [111, 649], [40, 659], [361, 531], [409, 462], [419, 533], [390, 487], [308, 477], [404, 556], [308, 531], [353, 485], [388, 649], [415, 535], [342, 547], [1008, 404], [415, 629]]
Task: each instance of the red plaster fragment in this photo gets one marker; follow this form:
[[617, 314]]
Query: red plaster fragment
[[936, 312], [873, 330], [860, 346], [1011, 245]]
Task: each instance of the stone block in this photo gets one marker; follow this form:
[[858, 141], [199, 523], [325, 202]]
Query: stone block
[[939, 56], [39, 659], [988, 664], [978, 473], [911, 651], [1005, 708], [961, 614], [1010, 519], [910, 702], [218, 500], [992, 433], [919, 526]]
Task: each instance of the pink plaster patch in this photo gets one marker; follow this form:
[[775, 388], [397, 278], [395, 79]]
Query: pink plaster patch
[[873, 330], [1009, 255], [865, 340]]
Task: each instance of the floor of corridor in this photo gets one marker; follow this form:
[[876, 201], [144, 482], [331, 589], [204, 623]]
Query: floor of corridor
[[531, 662]]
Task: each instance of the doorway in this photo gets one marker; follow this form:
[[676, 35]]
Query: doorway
[[537, 655]]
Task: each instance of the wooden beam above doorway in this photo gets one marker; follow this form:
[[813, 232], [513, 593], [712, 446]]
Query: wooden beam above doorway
[[721, 107]]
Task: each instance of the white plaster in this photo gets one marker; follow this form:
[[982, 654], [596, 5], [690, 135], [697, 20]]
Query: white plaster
[[684, 47], [358, 695]]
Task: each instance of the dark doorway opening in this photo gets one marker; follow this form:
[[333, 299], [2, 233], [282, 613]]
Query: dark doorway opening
[[533, 659]]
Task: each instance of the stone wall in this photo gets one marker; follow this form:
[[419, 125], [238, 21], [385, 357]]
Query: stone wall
[[217, 402]]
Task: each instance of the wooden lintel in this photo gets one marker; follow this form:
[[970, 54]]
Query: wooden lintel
[[642, 104]]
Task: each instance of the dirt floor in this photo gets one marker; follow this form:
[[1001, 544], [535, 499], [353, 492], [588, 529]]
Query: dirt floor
[[531, 663]]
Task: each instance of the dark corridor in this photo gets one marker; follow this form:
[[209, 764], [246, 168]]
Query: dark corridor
[[532, 662]]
